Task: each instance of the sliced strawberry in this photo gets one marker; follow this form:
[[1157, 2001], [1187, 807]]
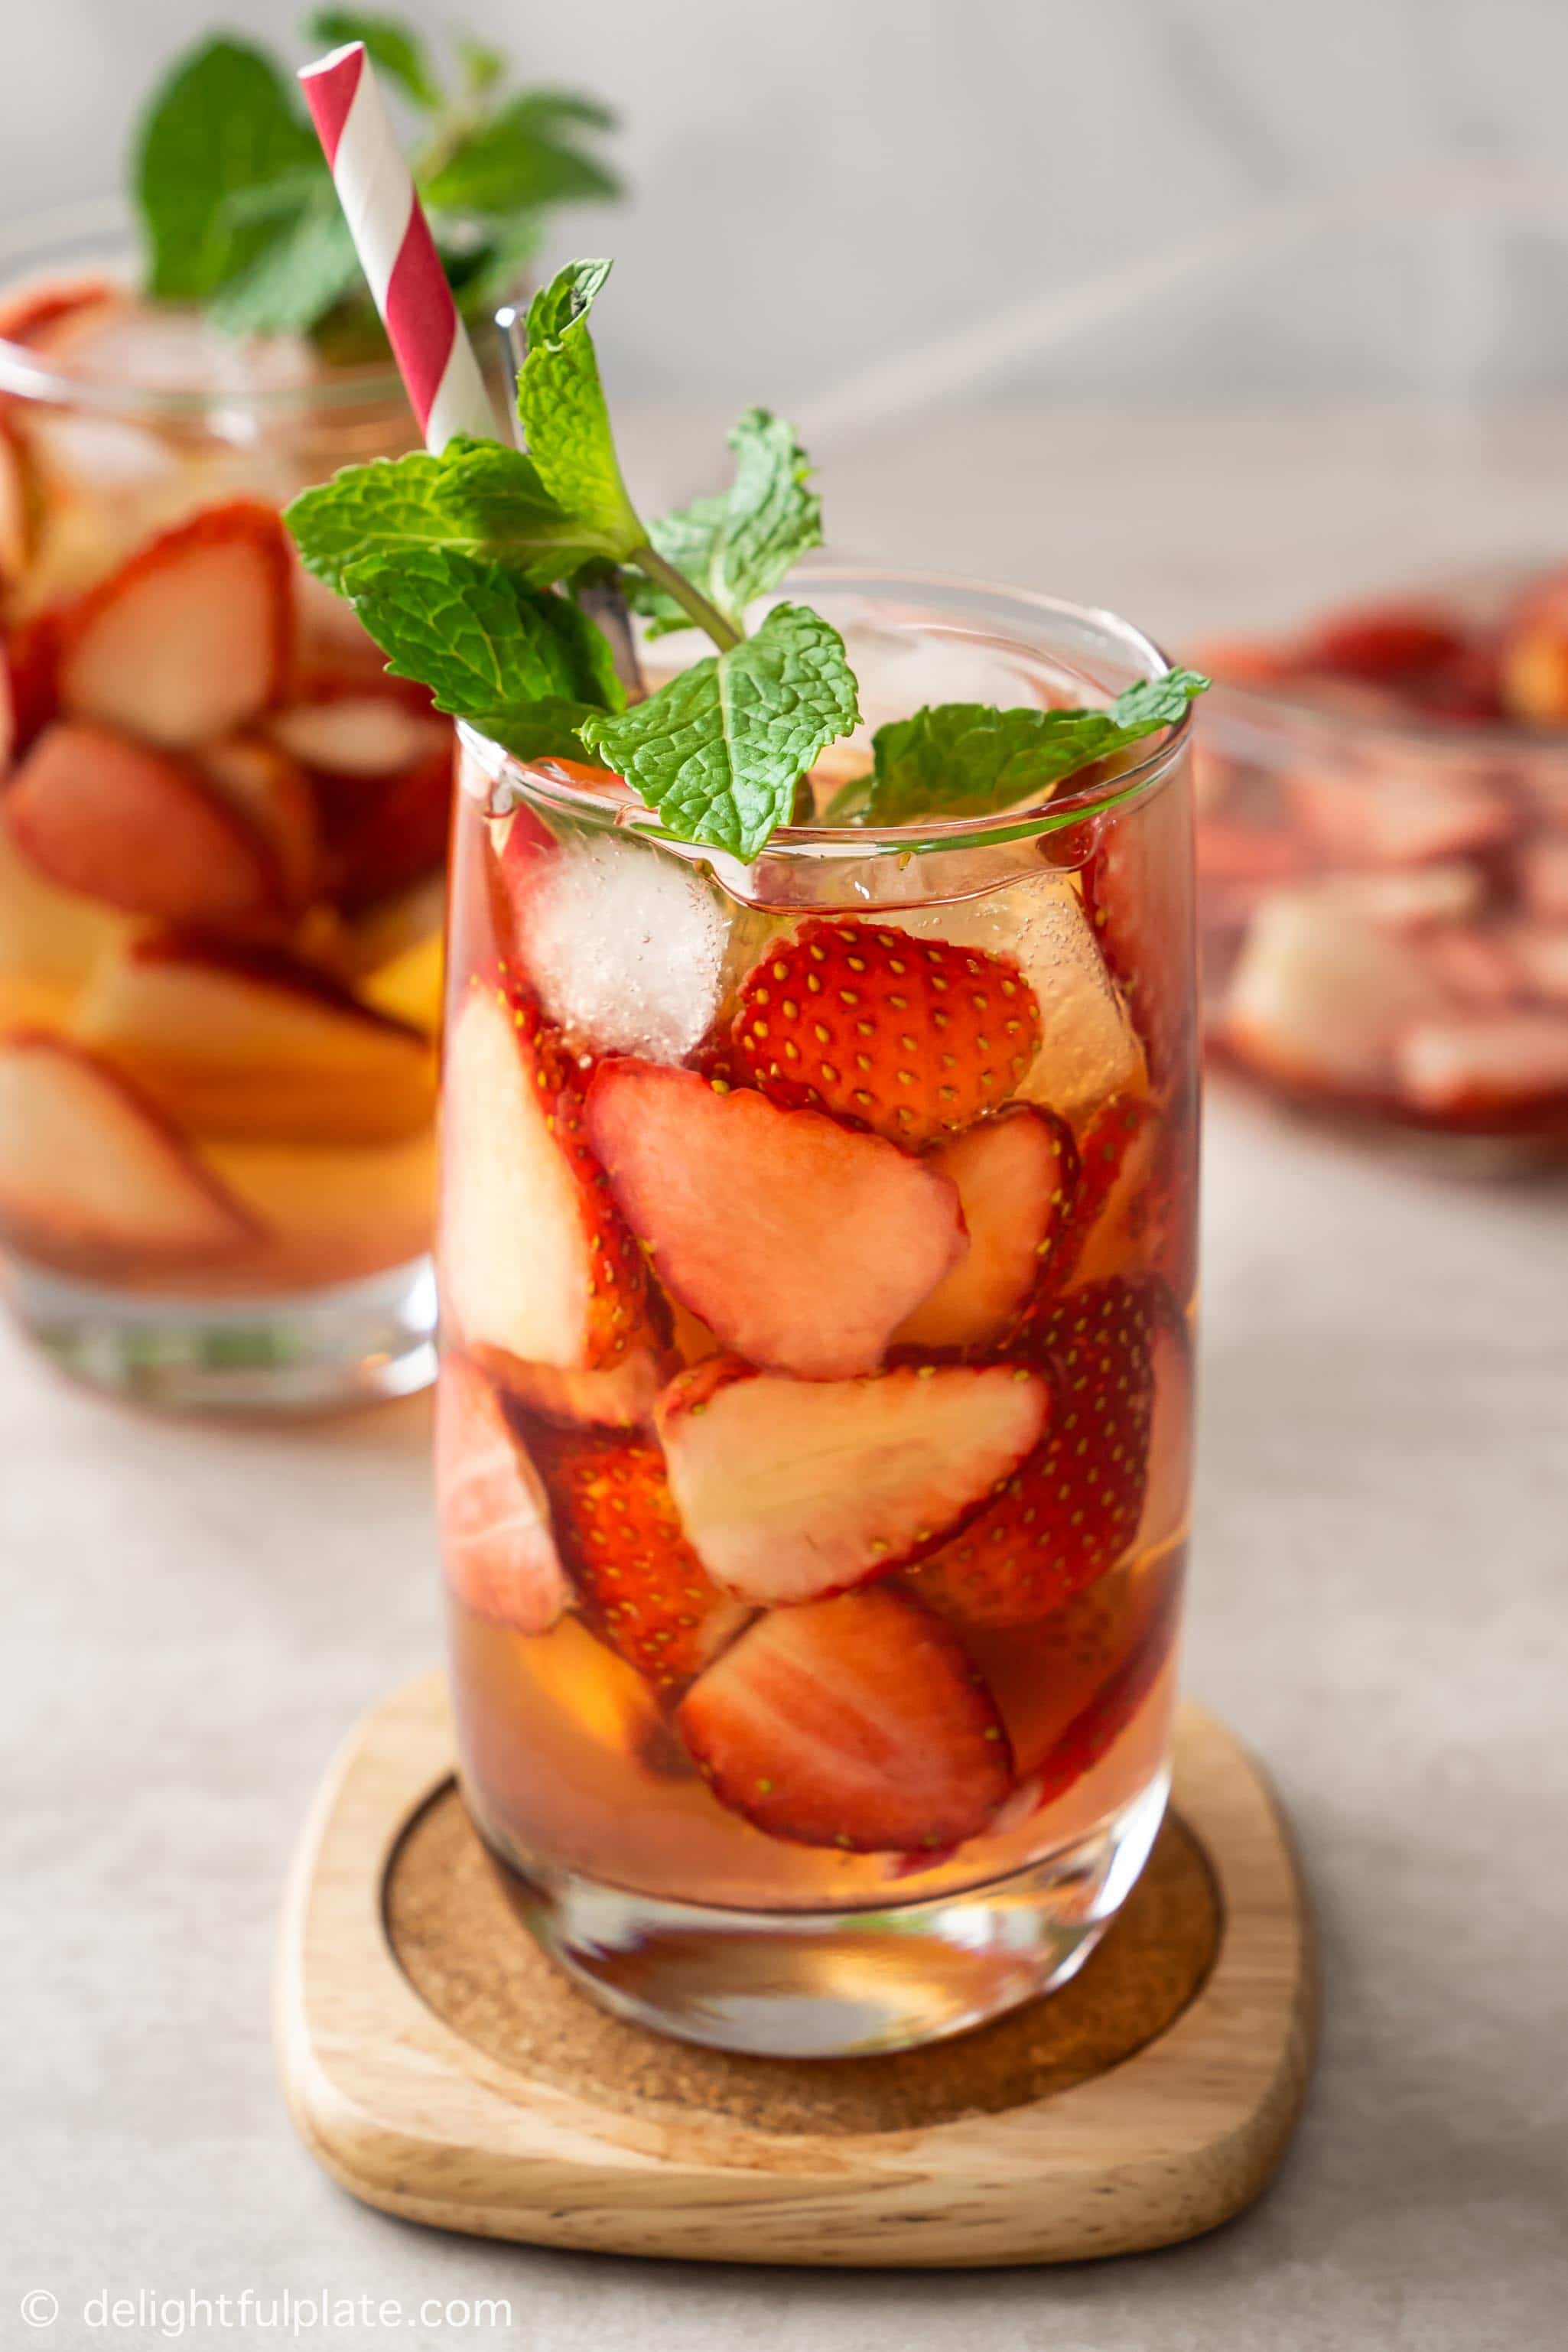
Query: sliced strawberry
[[1092, 1733], [1544, 879], [1475, 964], [793, 1489], [29, 660], [1168, 1483], [136, 829], [1507, 1064], [244, 1041], [93, 1180], [27, 314], [535, 1259], [496, 1541], [1138, 886], [638, 1581], [1137, 1197], [1070, 1512], [1397, 645], [18, 501], [271, 791], [189, 640], [857, 1722], [912, 1038], [801, 1246], [401, 838], [1044, 1674], [621, 1398], [1319, 992], [1540, 952], [1392, 816], [1016, 1175], [351, 732]]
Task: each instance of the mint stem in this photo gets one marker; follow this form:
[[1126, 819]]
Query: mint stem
[[708, 618]]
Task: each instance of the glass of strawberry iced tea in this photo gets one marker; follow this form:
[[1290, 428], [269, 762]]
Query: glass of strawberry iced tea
[[816, 1254], [221, 836]]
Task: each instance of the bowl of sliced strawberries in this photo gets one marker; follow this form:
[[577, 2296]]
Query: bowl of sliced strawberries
[[1383, 858]]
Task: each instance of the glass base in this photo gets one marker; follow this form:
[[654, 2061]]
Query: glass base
[[305, 1352], [823, 1984]]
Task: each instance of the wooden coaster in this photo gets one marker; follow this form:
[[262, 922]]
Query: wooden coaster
[[440, 2067]]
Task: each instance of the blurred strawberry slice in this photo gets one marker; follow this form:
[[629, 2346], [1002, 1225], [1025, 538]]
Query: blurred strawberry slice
[[496, 1541], [1319, 992], [245, 1040], [1016, 1176], [1399, 816], [802, 1244], [358, 734], [27, 315], [136, 829], [1544, 879], [1495, 1063], [93, 1180], [1398, 645], [1072, 1509], [623, 1397], [536, 1260], [1540, 952], [793, 1489], [190, 639], [857, 1722], [28, 659], [400, 836], [18, 501], [271, 792], [641, 1586]]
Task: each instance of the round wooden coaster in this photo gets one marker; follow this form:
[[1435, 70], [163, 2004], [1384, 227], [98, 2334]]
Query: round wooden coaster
[[440, 2068], [461, 1947]]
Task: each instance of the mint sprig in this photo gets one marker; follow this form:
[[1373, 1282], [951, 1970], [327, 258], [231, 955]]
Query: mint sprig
[[719, 750], [967, 758], [477, 498], [476, 636], [238, 207], [737, 548]]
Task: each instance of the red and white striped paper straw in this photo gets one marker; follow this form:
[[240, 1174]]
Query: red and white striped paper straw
[[396, 251]]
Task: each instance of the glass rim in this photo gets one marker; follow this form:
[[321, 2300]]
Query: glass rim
[[25, 373], [1052, 814], [1270, 712]]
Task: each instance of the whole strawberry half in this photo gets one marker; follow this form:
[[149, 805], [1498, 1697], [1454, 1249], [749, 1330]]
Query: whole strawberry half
[[857, 1722], [640, 1585], [910, 1037], [1070, 1511]]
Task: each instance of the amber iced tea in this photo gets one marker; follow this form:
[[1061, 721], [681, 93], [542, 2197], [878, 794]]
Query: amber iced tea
[[814, 1427]]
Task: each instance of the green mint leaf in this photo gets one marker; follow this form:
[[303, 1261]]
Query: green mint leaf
[[736, 547], [524, 157], [304, 269], [393, 47], [222, 121], [477, 498], [475, 636], [537, 730], [966, 758], [482, 65], [719, 750], [565, 418]]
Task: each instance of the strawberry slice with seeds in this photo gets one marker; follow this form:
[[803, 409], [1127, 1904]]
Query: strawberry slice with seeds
[[801, 1246], [857, 1722], [1016, 1176], [793, 1489], [136, 829], [535, 1259], [912, 1038], [190, 639], [1137, 1196], [496, 1542], [622, 1397], [1069, 1513], [640, 1584]]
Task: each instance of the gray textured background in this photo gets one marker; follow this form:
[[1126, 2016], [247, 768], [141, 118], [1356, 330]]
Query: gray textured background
[[825, 184]]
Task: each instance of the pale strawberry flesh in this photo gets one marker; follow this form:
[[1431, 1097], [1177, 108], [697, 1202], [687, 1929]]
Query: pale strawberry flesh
[[793, 1489], [855, 1723], [496, 1544], [1016, 1176]]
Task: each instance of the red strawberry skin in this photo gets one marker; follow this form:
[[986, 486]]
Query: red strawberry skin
[[1136, 1205], [857, 1722], [1070, 1512], [1093, 1733], [640, 1584], [911, 1038]]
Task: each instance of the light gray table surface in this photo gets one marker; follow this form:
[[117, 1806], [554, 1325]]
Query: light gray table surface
[[197, 1615], [1381, 1607]]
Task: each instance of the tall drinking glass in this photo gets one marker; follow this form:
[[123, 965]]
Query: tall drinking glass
[[816, 1254], [222, 839]]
